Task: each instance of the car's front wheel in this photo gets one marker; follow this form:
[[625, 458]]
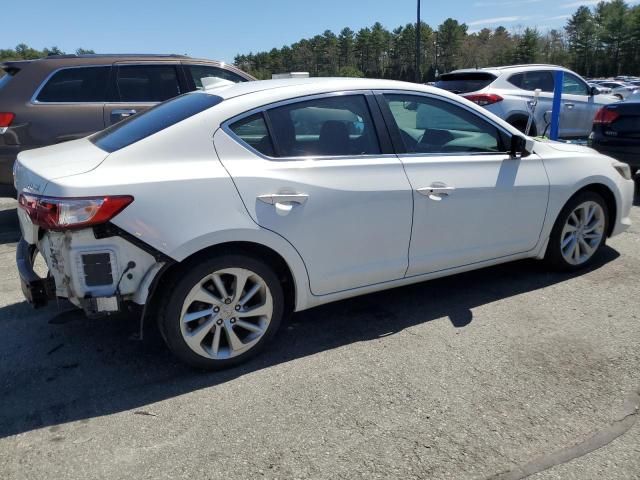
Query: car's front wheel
[[579, 232], [221, 311]]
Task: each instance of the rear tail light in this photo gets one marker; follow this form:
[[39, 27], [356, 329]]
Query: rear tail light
[[605, 116], [484, 99], [6, 118], [53, 213]]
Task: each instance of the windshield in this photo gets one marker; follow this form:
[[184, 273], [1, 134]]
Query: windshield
[[465, 82], [152, 121]]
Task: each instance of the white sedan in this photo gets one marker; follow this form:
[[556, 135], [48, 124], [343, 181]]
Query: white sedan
[[220, 211]]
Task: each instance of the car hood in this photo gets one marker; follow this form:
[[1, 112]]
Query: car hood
[[567, 147], [35, 168]]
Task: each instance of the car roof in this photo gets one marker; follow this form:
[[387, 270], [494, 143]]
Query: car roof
[[318, 85], [57, 61], [513, 68]]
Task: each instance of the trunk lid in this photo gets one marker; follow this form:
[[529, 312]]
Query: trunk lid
[[35, 168]]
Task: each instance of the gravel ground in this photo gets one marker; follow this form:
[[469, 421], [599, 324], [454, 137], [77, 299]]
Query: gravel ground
[[498, 374]]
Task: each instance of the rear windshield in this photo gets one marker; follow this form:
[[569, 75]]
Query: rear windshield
[[158, 118], [465, 82]]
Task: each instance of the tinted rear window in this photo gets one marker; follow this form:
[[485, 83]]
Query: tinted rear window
[[85, 84], [465, 82], [158, 118], [147, 83]]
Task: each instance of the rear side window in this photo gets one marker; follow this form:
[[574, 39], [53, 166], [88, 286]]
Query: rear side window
[[198, 72], [334, 126], [465, 82], [533, 80], [76, 85], [162, 116], [147, 83], [253, 131]]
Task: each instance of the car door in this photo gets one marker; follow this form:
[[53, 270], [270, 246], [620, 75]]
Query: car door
[[136, 87], [324, 177], [68, 105], [578, 107], [472, 201]]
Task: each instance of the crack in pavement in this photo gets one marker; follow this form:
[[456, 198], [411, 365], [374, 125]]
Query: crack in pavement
[[594, 442]]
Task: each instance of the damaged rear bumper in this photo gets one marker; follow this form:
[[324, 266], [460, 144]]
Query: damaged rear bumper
[[38, 291]]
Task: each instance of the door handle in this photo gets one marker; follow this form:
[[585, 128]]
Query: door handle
[[436, 192], [569, 105], [284, 202], [123, 113]]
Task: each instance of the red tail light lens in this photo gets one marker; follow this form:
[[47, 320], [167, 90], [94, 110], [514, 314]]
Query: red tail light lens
[[6, 118], [53, 213], [605, 116], [484, 99]]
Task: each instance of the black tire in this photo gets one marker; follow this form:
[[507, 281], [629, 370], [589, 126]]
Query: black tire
[[553, 257], [521, 124], [181, 284]]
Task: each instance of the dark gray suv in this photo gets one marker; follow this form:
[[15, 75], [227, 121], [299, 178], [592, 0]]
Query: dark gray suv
[[64, 97]]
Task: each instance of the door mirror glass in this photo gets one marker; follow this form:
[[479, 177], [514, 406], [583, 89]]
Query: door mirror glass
[[593, 91]]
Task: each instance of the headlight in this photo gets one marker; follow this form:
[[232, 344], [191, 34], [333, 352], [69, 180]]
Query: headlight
[[623, 169]]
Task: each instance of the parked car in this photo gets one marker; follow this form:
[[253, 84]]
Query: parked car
[[616, 132], [64, 97], [619, 90], [600, 90], [219, 211], [507, 91]]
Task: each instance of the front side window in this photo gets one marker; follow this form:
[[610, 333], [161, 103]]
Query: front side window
[[253, 131], [340, 125], [147, 83], [572, 85], [429, 125], [198, 72], [76, 85], [145, 124], [533, 80]]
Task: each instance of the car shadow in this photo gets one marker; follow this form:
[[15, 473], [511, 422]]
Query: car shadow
[[9, 227], [60, 367]]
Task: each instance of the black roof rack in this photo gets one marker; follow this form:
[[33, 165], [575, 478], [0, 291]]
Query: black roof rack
[[97, 55]]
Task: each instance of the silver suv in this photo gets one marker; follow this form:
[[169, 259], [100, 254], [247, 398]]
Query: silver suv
[[506, 92]]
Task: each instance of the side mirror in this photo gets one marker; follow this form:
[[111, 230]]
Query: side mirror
[[411, 106], [518, 146], [593, 91]]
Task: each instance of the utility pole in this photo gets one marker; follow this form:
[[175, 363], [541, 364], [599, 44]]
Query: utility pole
[[418, 25]]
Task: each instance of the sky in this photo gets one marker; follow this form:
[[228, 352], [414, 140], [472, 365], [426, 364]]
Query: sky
[[221, 29]]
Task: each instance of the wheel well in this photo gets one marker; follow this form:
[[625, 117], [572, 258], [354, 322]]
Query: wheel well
[[609, 199], [521, 119], [256, 250]]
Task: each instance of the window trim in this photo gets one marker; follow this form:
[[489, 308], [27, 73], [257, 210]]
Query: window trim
[[34, 98], [394, 129], [370, 102]]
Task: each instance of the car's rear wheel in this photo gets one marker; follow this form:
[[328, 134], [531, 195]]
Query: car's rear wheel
[[222, 311], [579, 232]]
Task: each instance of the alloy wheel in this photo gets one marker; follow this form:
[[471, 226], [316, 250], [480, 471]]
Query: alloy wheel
[[582, 233], [226, 313]]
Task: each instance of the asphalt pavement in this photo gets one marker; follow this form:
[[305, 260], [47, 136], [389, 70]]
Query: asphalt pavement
[[495, 374]]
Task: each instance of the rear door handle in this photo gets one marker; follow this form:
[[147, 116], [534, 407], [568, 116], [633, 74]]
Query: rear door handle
[[284, 202], [123, 113]]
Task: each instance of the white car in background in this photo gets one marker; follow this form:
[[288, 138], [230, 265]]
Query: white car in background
[[508, 91], [620, 90], [220, 211]]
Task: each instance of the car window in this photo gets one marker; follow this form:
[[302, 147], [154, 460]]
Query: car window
[[573, 85], [465, 82], [147, 83], [429, 125], [533, 80], [145, 124], [334, 126], [85, 84], [253, 131], [198, 72]]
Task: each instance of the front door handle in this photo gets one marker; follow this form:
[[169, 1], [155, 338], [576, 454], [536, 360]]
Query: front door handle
[[436, 192], [284, 202], [569, 105]]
